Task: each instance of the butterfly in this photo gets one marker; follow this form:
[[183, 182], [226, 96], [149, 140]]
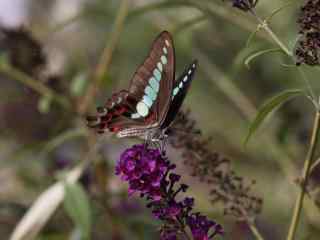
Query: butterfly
[[148, 108]]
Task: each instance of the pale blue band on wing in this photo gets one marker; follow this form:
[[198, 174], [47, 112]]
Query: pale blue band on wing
[[164, 60], [146, 99], [154, 84], [152, 89], [157, 74]]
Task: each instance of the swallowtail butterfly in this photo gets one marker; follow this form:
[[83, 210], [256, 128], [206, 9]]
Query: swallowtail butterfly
[[153, 99]]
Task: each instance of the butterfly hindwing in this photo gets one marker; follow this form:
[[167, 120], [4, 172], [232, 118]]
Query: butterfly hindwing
[[179, 92]]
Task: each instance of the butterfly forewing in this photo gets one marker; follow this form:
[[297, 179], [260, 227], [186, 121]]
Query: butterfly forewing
[[152, 83]]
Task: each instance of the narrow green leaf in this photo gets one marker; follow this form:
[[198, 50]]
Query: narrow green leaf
[[252, 35], [288, 65], [278, 10], [268, 107], [258, 54], [76, 204]]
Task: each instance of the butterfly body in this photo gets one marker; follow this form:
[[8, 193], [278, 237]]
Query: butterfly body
[[153, 99]]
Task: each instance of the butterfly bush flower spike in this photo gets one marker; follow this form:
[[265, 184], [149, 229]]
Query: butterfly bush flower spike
[[307, 49], [225, 186], [149, 174]]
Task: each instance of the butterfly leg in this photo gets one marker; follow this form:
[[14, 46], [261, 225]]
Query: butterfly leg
[[163, 143], [147, 140], [160, 143]]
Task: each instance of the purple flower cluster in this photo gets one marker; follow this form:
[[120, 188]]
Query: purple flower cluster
[[148, 173], [143, 169]]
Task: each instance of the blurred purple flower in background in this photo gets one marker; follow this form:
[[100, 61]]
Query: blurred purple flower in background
[[244, 5], [148, 173]]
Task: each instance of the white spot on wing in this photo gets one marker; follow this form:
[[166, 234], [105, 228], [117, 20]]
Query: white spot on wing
[[142, 109], [165, 50], [147, 101], [135, 115], [164, 60], [167, 43], [175, 91], [159, 65], [185, 78]]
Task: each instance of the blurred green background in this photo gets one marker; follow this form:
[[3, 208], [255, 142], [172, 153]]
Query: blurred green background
[[40, 138]]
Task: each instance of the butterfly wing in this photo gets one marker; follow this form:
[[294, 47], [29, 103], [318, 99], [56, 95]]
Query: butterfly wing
[[147, 101], [153, 81], [179, 92]]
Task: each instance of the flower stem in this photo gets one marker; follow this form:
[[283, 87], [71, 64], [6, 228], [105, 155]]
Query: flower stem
[[255, 231], [314, 137], [251, 224], [305, 176], [265, 26]]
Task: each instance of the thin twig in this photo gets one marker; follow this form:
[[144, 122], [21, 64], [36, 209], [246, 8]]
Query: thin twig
[[105, 59], [35, 85], [314, 165]]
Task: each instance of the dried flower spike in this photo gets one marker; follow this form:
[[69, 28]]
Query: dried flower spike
[[210, 167], [307, 49], [149, 173]]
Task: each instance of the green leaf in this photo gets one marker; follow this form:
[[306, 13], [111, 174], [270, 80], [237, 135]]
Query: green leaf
[[259, 53], [77, 206], [268, 107]]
